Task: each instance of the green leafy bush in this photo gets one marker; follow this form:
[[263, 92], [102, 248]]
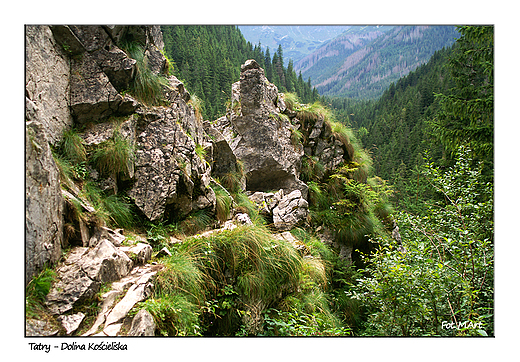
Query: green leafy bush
[[446, 273]]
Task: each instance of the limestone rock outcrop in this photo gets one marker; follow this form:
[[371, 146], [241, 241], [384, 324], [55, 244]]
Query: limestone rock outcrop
[[86, 270], [47, 82], [261, 136], [143, 325], [169, 174], [83, 272], [43, 203], [286, 210]]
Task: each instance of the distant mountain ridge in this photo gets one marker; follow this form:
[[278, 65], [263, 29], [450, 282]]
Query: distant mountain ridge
[[343, 45], [363, 61], [297, 41]]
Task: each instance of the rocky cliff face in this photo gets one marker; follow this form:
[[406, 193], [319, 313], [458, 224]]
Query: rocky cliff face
[[78, 77], [43, 202], [82, 80]]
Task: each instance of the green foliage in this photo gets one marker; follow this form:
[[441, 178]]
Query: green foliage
[[446, 273], [178, 295], [158, 234], [313, 112], [174, 315], [208, 59], [201, 152], [353, 209], [71, 158], [65, 168], [196, 222], [198, 106], [295, 323], [466, 116], [111, 209], [118, 210], [396, 128], [296, 137], [312, 169], [114, 155], [36, 291], [243, 203], [248, 272], [292, 101], [224, 202], [72, 146], [147, 86]]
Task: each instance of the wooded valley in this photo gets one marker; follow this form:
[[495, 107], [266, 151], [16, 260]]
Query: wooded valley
[[228, 197]]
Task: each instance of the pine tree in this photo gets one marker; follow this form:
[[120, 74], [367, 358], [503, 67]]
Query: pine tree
[[467, 110]]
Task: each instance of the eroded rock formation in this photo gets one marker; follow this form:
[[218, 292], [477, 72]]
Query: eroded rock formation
[[43, 203], [260, 136], [78, 77]]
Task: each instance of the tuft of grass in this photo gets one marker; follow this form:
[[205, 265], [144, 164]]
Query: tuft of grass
[[114, 155], [201, 152], [243, 202], [65, 169], [113, 210], [296, 137], [147, 87], [174, 315], [232, 181], [179, 294], [262, 266], [362, 157], [73, 147], [292, 101], [312, 169], [195, 222], [118, 211], [180, 273], [224, 202], [314, 112], [36, 291], [317, 196], [170, 64], [198, 106]]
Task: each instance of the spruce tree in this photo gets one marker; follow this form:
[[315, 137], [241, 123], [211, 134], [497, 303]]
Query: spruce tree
[[466, 117]]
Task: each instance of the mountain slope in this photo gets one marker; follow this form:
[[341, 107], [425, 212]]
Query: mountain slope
[[363, 65], [297, 41]]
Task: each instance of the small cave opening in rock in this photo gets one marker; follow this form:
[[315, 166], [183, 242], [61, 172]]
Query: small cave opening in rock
[[267, 180]]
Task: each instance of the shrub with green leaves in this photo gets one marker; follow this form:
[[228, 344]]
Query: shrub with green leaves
[[446, 273], [353, 210]]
